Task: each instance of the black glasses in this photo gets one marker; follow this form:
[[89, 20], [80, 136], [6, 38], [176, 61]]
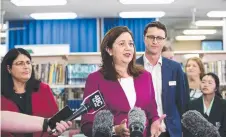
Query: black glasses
[[159, 39]]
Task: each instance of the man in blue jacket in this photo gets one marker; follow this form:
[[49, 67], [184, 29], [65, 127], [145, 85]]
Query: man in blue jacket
[[168, 79]]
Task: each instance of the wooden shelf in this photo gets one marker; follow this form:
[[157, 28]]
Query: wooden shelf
[[200, 52], [70, 54], [138, 53], [67, 86]]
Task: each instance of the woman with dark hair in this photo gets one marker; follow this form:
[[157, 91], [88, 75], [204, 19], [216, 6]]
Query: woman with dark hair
[[210, 105], [123, 84], [21, 92]]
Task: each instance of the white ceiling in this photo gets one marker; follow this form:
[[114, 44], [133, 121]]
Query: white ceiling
[[178, 14]]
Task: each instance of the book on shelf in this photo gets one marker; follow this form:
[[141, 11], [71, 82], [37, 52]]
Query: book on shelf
[[78, 73], [50, 73], [62, 74], [71, 97], [217, 67], [66, 81]]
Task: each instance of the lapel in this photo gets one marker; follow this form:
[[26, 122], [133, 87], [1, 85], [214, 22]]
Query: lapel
[[215, 108], [122, 95], [199, 106], [137, 89], [165, 79], [165, 74], [140, 60]]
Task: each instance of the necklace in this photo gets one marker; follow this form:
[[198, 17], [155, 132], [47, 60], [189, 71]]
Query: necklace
[[20, 95]]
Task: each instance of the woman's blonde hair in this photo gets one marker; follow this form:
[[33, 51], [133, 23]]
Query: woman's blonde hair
[[200, 64]]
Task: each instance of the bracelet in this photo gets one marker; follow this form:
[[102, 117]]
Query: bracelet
[[45, 125]]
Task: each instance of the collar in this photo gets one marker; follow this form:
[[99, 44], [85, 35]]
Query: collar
[[146, 61], [207, 111]]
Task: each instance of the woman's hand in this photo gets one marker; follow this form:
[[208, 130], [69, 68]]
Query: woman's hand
[[122, 130], [61, 127], [156, 128]]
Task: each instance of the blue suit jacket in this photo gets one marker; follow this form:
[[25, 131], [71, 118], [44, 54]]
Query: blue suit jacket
[[174, 97]]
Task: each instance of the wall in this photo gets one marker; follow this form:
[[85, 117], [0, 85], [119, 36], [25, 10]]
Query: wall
[[3, 50], [186, 45]]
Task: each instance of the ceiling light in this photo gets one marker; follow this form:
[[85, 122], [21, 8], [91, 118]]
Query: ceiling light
[[2, 35], [209, 23], [146, 1], [59, 15], [199, 31], [39, 2], [217, 14], [142, 14], [190, 37]]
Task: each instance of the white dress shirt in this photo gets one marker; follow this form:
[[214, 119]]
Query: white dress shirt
[[207, 110], [127, 85], [156, 71]]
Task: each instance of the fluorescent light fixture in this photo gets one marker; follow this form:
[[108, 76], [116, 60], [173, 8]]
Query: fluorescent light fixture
[[199, 31], [142, 14], [217, 14], [146, 1], [49, 16], [2, 35], [209, 23], [201, 37], [39, 2]]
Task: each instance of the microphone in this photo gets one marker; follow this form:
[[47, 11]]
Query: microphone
[[136, 121], [103, 123], [196, 124], [92, 102]]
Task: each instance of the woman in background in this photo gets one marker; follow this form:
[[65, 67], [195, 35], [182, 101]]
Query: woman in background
[[123, 84], [167, 52], [21, 92], [210, 105], [194, 69]]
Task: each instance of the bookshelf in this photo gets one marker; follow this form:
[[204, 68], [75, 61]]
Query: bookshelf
[[90, 58], [67, 86], [95, 57], [207, 56]]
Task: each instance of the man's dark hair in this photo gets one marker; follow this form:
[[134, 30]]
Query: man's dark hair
[[156, 24]]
